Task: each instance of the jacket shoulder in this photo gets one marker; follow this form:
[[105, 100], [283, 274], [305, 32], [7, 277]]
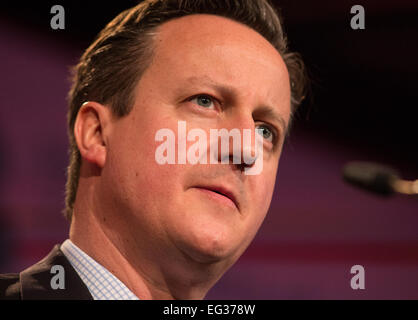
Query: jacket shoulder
[[36, 280], [34, 283], [9, 286]]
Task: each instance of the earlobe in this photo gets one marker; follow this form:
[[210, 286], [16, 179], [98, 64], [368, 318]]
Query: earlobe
[[89, 129]]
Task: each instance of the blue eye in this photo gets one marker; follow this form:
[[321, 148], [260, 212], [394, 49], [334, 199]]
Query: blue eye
[[204, 101], [265, 132]]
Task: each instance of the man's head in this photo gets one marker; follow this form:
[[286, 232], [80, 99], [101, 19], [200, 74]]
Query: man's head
[[213, 64]]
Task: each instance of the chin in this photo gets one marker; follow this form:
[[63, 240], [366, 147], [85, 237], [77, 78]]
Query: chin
[[211, 248]]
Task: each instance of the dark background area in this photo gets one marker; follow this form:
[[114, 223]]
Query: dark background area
[[363, 106]]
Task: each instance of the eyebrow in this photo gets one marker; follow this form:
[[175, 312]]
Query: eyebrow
[[263, 111], [269, 112], [224, 89]]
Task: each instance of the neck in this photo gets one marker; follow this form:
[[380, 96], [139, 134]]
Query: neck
[[147, 270]]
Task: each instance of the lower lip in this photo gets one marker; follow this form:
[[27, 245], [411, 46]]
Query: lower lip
[[218, 197]]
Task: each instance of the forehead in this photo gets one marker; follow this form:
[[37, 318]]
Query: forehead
[[209, 46]]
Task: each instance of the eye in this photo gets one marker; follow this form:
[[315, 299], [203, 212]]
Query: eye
[[265, 132], [204, 101]]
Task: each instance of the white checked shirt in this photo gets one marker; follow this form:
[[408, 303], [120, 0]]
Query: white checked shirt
[[102, 284]]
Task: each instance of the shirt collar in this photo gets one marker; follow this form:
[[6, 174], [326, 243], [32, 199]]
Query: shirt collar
[[102, 284]]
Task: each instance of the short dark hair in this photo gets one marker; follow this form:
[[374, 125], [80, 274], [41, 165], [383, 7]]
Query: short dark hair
[[112, 65]]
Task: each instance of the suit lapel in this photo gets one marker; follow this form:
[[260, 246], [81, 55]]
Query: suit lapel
[[36, 280]]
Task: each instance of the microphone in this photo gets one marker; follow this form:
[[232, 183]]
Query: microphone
[[378, 178]]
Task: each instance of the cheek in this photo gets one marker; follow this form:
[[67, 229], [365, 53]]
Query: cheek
[[145, 181], [261, 191]]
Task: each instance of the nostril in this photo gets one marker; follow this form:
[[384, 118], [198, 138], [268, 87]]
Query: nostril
[[247, 155]]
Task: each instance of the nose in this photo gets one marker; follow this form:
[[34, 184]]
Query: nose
[[237, 144]]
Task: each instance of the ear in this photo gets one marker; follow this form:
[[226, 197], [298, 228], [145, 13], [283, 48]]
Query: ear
[[90, 131]]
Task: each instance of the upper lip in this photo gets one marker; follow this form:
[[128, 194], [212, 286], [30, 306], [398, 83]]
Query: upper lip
[[223, 190]]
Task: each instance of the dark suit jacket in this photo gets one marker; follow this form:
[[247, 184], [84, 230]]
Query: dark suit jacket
[[34, 283]]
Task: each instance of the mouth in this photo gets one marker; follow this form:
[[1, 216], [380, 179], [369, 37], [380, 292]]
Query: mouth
[[221, 194]]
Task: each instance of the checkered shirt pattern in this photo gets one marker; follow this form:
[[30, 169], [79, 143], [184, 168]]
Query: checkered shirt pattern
[[102, 284]]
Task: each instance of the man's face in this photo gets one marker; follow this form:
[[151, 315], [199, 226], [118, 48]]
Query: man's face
[[212, 73]]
